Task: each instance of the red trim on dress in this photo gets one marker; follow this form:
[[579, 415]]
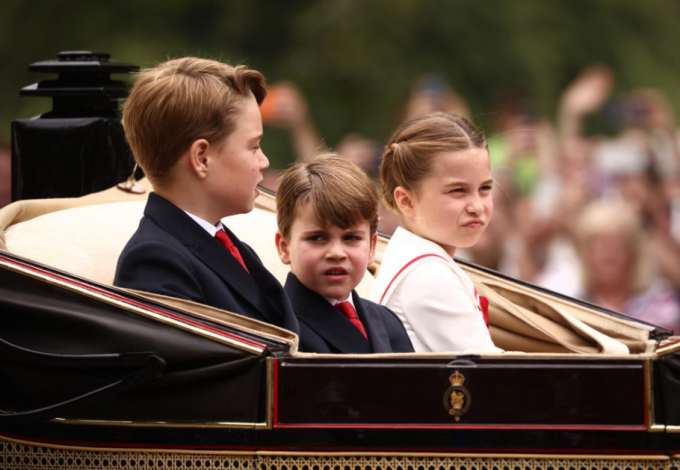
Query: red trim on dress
[[482, 302], [402, 270]]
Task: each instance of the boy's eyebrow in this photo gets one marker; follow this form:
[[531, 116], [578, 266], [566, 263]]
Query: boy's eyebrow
[[465, 183], [257, 137], [313, 231]]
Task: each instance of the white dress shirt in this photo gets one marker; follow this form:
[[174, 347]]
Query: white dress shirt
[[434, 298], [348, 299], [207, 226]]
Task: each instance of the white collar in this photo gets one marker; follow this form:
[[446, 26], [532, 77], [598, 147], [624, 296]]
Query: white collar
[[207, 226], [333, 302], [411, 245]]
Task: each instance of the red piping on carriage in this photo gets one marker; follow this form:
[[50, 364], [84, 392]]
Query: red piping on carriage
[[120, 298]]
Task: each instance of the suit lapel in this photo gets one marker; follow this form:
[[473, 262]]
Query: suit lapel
[[375, 328], [218, 258], [210, 252], [325, 320], [275, 301]]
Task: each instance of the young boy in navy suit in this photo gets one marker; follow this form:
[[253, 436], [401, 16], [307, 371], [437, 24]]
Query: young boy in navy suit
[[194, 126], [327, 214]]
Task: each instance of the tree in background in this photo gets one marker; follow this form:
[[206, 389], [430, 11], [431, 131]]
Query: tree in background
[[356, 61]]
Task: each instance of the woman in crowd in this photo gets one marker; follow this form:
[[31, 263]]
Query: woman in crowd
[[617, 269]]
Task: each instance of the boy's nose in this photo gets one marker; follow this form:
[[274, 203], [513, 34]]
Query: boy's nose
[[335, 251], [264, 162]]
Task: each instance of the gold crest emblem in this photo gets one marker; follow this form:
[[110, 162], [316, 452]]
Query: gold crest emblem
[[457, 398]]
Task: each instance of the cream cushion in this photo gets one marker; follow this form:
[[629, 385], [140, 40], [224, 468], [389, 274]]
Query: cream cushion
[[85, 241]]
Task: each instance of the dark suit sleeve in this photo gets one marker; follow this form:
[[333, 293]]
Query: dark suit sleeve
[[156, 267], [395, 329]]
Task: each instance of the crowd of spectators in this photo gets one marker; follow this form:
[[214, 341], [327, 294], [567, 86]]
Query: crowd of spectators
[[587, 204]]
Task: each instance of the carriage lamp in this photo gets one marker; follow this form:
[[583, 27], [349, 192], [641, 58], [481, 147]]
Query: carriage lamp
[[78, 147]]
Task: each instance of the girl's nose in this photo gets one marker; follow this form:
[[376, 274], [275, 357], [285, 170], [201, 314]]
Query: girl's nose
[[474, 205]]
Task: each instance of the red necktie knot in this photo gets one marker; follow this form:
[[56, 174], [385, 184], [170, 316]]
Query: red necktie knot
[[348, 310], [224, 239]]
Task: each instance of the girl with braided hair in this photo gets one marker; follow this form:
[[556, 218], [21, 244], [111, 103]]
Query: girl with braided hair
[[436, 175]]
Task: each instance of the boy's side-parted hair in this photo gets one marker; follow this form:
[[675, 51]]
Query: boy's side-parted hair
[[340, 193], [410, 151], [182, 100]]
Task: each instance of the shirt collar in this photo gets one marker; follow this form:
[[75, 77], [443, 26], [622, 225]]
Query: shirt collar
[[348, 299], [207, 226]]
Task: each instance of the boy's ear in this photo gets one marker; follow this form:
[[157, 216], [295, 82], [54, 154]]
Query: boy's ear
[[371, 252], [282, 248], [199, 157], [404, 200]]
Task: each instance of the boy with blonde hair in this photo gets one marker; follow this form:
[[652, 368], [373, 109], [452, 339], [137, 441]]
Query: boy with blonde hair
[[327, 214], [194, 126]]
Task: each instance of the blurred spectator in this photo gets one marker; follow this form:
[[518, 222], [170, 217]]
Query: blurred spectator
[[431, 93], [522, 147], [648, 112], [285, 106], [585, 95], [362, 151], [617, 273]]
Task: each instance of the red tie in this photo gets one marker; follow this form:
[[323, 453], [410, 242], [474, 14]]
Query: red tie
[[224, 239], [348, 310]]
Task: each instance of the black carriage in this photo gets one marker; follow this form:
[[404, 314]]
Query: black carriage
[[92, 376]]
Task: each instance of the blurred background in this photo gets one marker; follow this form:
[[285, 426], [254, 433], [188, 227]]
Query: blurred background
[[578, 99]]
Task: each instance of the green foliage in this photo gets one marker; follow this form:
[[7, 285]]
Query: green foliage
[[355, 60]]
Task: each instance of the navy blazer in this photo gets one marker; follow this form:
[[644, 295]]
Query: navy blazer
[[171, 254], [324, 329]]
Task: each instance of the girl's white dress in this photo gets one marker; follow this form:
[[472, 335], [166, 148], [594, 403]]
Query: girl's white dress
[[434, 298]]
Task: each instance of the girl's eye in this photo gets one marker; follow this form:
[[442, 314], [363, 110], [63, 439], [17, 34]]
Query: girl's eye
[[486, 188], [457, 190]]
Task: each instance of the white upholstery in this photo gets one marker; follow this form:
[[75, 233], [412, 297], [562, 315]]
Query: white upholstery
[[85, 241]]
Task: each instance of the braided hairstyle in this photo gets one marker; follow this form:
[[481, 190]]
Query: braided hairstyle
[[411, 150]]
